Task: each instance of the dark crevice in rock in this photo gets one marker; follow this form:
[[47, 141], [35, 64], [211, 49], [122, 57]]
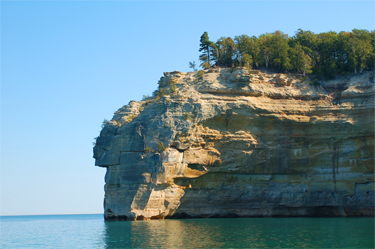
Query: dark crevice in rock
[[228, 115], [256, 94], [175, 147], [335, 161]]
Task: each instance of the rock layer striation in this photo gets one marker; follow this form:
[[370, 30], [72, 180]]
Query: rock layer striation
[[229, 143]]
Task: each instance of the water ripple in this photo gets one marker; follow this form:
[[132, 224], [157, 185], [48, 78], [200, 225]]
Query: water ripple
[[90, 231]]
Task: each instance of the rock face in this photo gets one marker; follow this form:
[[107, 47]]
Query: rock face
[[233, 144]]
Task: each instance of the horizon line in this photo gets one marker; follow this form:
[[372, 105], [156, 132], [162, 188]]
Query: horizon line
[[44, 214]]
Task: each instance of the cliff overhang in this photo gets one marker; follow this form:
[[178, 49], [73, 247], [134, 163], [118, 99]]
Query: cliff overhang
[[234, 143]]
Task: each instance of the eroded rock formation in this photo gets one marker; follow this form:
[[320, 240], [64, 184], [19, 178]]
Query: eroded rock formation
[[230, 144]]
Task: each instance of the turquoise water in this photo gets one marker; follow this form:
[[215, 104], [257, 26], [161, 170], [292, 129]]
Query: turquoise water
[[91, 231]]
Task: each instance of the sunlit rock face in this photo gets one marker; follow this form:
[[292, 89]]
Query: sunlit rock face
[[231, 143]]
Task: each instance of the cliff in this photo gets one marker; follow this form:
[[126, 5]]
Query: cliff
[[229, 143]]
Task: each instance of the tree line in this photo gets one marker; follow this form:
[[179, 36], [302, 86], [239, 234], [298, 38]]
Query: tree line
[[325, 55]]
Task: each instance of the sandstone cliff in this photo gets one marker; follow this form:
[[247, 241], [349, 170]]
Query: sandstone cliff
[[231, 143]]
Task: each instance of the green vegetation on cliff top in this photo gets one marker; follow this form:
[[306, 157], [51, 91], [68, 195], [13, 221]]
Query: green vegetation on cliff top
[[325, 55]]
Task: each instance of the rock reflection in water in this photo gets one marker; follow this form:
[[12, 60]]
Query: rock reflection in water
[[162, 233], [242, 233]]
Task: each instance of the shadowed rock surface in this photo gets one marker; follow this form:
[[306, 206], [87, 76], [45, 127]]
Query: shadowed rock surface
[[234, 144]]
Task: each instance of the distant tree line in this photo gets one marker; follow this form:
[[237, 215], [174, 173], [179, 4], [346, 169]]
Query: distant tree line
[[325, 55]]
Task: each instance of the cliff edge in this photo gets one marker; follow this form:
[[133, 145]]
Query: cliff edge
[[229, 143]]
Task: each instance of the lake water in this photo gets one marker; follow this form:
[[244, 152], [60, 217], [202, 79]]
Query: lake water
[[91, 231]]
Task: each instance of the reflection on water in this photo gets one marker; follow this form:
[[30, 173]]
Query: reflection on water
[[90, 231], [249, 232]]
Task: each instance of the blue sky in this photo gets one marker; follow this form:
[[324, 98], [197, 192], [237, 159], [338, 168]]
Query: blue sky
[[67, 65]]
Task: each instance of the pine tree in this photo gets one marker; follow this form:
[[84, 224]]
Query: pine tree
[[205, 49], [192, 65]]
